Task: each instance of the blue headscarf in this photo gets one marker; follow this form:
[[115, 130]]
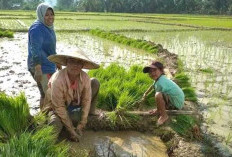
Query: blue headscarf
[[41, 11]]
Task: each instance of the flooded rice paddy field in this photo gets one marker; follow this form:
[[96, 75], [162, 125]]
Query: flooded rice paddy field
[[207, 58], [13, 60], [206, 55]]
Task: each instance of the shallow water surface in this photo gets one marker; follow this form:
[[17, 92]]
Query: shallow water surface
[[120, 143]]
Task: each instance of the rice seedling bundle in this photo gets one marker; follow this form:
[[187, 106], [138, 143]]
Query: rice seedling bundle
[[121, 88], [40, 143], [14, 116]]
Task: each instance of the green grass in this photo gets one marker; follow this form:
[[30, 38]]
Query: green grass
[[120, 88], [207, 70]]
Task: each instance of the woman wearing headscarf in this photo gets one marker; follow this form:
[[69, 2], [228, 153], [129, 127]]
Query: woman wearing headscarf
[[41, 44]]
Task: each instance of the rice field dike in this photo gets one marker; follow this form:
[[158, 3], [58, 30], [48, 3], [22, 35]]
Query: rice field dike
[[195, 48]]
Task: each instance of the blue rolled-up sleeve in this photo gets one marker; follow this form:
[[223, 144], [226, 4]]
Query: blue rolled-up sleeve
[[36, 41]]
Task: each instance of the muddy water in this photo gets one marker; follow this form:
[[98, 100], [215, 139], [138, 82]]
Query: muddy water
[[14, 77], [206, 50], [122, 144]]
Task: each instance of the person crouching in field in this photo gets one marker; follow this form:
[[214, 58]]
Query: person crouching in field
[[168, 95], [71, 94]]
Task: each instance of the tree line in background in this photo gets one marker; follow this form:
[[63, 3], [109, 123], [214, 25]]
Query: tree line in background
[[130, 6]]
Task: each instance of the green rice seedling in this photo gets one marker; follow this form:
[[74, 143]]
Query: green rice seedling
[[207, 70], [180, 66], [182, 80], [122, 118], [183, 125], [6, 33], [120, 88], [14, 115], [112, 117], [228, 138], [125, 100], [136, 43], [40, 143], [108, 98], [190, 94]]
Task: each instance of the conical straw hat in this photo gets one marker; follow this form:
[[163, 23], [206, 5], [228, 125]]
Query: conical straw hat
[[78, 55]]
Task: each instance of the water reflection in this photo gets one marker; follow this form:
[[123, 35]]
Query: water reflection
[[122, 144], [106, 52]]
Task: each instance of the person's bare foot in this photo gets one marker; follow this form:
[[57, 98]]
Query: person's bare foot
[[154, 112], [162, 120]]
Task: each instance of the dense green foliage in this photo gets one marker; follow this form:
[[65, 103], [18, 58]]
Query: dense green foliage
[[130, 6], [120, 89], [158, 6], [6, 33], [23, 135], [19, 4], [136, 43]]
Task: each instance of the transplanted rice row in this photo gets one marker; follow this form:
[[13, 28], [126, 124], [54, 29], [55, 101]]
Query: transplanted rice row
[[136, 43], [6, 33]]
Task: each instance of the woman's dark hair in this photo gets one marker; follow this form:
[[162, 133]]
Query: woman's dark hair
[[51, 10]]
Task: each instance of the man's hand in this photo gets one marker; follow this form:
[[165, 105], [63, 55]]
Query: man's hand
[[74, 137], [79, 129], [38, 73]]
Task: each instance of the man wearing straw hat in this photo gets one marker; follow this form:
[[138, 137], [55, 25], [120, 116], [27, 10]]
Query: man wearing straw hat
[[71, 94]]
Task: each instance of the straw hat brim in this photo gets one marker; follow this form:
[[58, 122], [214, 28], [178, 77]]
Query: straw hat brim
[[62, 59]]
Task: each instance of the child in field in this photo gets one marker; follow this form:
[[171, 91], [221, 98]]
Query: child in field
[[168, 94]]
